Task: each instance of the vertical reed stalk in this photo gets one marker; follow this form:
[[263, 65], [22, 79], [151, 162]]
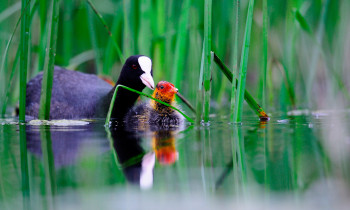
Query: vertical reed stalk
[[263, 71], [4, 65], [46, 86], [110, 52], [25, 12], [43, 5], [93, 39], [244, 63], [235, 58], [159, 43], [67, 30], [180, 49], [199, 97], [99, 16], [207, 57], [7, 90], [316, 50]]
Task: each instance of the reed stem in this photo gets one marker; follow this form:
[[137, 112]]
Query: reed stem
[[46, 86], [180, 49], [25, 12], [115, 44], [247, 96], [235, 58], [207, 58], [244, 63]]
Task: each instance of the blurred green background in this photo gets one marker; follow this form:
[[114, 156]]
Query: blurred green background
[[308, 46]]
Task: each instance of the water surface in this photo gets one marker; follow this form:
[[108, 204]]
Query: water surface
[[291, 161]]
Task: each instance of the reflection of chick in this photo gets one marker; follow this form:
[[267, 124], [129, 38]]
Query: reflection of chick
[[155, 113], [163, 143]]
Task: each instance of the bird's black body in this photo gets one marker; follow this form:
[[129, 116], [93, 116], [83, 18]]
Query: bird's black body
[[77, 95]]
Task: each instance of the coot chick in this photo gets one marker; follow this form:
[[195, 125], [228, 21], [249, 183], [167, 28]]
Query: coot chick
[[154, 113], [77, 95]]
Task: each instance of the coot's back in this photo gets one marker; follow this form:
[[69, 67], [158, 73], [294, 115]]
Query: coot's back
[[74, 95]]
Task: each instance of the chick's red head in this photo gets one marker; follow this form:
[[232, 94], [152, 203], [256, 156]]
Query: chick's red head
[[165, 91]]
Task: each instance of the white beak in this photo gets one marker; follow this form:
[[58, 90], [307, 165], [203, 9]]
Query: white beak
[[147, 79]]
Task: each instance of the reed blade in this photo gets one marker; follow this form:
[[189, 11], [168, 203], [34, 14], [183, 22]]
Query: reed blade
[[25, 13], [243, 65], [207, 57], [247, 96], [46, 86], [235, 58], [180, 49]]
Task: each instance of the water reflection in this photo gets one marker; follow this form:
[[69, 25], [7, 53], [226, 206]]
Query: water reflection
[[297, 156], [137, 164]]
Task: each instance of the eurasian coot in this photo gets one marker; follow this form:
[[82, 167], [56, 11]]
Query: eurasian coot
[[79, 95], [154, 113]]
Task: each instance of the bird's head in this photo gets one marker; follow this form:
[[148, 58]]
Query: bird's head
[[165, 91], [137, 73]]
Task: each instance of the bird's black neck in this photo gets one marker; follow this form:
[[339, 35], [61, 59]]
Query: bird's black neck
[[124, 100]]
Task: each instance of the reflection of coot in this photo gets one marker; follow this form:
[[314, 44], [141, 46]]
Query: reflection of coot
[[137, 165], [68, 143], [76, 95]]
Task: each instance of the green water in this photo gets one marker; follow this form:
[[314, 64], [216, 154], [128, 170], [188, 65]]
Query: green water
[[289, 162]]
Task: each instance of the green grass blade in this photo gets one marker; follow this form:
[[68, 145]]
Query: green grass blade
[[25, 12], [199, 97], [46, 86], [115, 44], [93, 38], [7, 90], [3, 65], [180, 49], [187, 102], [67, 30], [207, 57], [247, 96], [302, 21], [316, 52], [110, 52], [159, 28], [244, 63], [235, 58], [108, 118], [263, 73]]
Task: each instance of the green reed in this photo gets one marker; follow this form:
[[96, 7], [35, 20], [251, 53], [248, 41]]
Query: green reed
[[247, 96], [119, 52], [244, 64], [264, 57], [25, 12], [181, 41], [47, 82], [236, 9], [207, 57], [285, 39]]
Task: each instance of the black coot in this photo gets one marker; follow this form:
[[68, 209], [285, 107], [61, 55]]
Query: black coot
[[77, 95]]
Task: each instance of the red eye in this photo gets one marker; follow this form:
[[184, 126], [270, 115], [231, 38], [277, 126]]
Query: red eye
[[134, 66], [161, 87]]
